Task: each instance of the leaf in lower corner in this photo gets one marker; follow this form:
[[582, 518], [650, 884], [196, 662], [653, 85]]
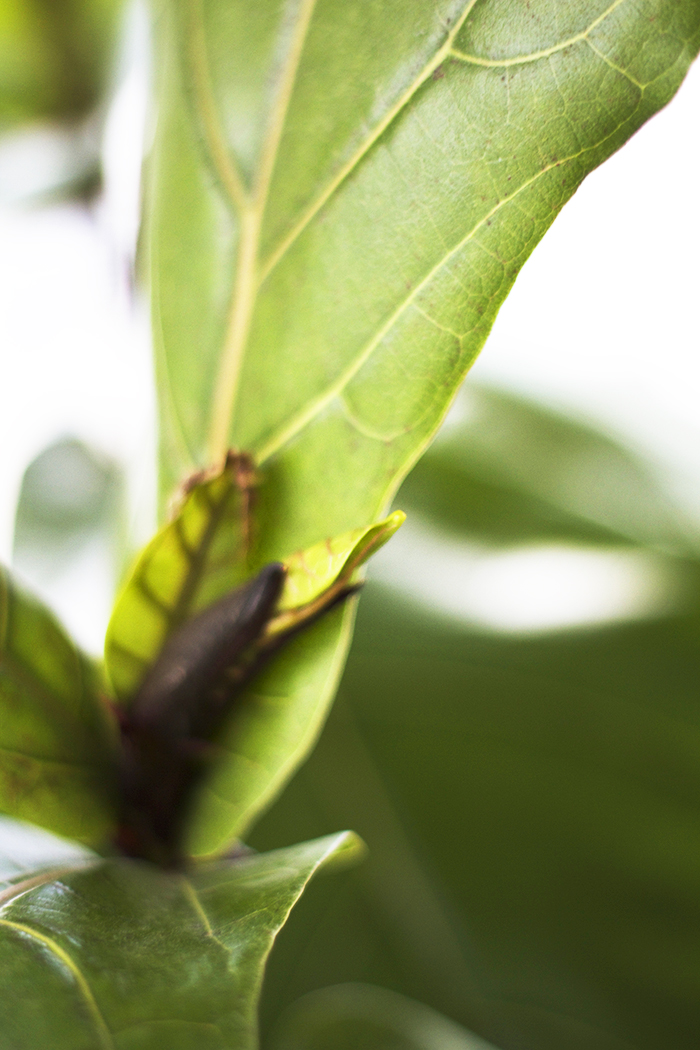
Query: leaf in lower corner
[[122, 955], [56, 737]]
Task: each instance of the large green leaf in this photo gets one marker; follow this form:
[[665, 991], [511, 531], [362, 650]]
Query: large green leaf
[[56, 737], [119, 955], [531, 805], [340, 196]]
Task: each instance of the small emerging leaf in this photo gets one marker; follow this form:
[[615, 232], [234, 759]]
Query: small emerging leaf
[[316, 575], [56, 745], [121, 955], [195, 559]]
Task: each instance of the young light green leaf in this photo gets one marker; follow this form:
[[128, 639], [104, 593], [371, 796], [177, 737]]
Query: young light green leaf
[[56, 736], [119, 955], [317, 575], [200, 555]]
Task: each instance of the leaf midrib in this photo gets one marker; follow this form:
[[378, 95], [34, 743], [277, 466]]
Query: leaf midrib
[[445, 51], [250, 204], [101, 1030], [292, 427]]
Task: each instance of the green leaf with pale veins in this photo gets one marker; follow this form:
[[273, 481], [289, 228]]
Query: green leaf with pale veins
[[118, 955], [340, 196], [56, 738]]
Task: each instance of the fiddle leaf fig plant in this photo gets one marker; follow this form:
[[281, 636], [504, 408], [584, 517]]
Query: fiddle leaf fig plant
[[338, 198]]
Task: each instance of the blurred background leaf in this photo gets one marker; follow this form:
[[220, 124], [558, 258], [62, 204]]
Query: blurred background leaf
[[57, 739], [362, 1017], [70, 532], [531, 802], [71, 494], [56, 62], [54, 57]]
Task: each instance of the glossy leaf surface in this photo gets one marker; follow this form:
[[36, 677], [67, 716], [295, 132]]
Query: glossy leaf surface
[[118, 955], [531, 804], [56, 739]]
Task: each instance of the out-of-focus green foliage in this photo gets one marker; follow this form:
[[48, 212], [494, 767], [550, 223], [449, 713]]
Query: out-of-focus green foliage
[[54, 57], [531, 804], [362, 1017], [71, 496], [57, 747], [118, 955]]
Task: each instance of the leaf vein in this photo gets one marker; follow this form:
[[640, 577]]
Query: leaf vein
[[103, 1033], [536, 56], [428, 69], [306, 416], [215, 143]]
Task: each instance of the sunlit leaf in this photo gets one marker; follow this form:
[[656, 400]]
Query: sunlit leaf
[[340, 196], [317, 573], [56, 739], [118, 955]]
